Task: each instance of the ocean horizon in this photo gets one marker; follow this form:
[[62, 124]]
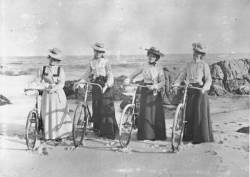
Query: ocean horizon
[[75, 65]]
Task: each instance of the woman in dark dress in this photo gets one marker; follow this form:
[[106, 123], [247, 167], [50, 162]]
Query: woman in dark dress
[[99, 71], [198, 128], [151, 122]]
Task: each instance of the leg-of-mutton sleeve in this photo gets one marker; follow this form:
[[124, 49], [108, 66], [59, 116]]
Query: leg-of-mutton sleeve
[[61, 80], [110, 77], [86, 76], [161, 80], [181, 76], [207, 77]]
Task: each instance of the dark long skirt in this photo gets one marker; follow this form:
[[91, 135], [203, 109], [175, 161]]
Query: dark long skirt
[[198, 128], [151, 121], [104, 113]]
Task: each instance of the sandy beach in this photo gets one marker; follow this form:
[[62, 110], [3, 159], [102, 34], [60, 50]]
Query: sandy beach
[[227, 156]]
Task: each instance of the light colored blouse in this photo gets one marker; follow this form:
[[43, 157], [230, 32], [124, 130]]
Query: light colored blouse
[[152, 74], [194, 72], [53, 75], [99, 67]]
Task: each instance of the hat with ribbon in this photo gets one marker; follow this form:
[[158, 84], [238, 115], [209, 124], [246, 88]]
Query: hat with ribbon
[[55, 54], [99, 47], [198, 47]]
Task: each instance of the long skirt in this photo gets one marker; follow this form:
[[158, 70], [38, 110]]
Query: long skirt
[[104, 113], [54, 112], [198, 128], [151, 121]]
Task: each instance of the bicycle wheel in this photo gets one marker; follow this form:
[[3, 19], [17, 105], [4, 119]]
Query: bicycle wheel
[[31, 129], [126, 125], [178, 127], [79, 124]]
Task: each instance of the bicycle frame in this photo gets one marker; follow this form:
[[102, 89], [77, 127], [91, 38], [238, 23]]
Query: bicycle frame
[[86, 95]]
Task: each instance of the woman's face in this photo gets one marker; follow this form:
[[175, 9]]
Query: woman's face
[[151, 58], [97, 54], [53, 61], [196, 55]]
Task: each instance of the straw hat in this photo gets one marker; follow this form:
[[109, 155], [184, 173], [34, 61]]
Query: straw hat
[[155, 51], [199, 48], [56, 54], [99, 47]]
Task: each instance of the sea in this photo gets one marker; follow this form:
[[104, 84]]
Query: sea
[[75, 66]]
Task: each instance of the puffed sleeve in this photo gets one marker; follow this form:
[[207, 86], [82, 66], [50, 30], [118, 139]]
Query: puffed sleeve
[[207, 77], [110, 79], [181, 76], [61, 79], [161, 79], [86, 76]]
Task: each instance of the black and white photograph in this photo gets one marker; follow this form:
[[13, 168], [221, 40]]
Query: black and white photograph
[[124, 88]]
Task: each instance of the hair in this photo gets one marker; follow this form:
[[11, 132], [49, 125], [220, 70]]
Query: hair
[[200, 53]]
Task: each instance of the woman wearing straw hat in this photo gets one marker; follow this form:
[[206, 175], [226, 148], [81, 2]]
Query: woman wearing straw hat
[[99, 71], [54, 110], [197, 73], [151, 122]]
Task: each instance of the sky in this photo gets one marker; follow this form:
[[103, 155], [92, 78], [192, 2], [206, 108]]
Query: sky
[[31, 27]]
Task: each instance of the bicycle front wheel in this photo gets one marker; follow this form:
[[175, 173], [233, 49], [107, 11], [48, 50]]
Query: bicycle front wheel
[[178, 127], [31, 129], [79, 124], [126, 125]]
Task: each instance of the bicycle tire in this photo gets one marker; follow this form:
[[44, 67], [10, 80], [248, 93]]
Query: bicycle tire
[[31, 129], [126, 125], [79, 124], [178, 127]]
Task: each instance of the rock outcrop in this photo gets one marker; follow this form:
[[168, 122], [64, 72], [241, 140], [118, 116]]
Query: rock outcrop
[[230, 76], [4, 100]]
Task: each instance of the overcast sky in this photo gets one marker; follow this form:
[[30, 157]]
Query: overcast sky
[[30, 27]]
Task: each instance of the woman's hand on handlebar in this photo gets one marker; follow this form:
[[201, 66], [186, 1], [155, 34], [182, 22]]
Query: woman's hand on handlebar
[[127, 81]]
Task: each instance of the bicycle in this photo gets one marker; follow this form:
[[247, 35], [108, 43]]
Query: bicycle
[[82, 116], [179, 119], [128, 117], [34, 122]]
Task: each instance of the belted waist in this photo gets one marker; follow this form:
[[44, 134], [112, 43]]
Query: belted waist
[[196, 85]]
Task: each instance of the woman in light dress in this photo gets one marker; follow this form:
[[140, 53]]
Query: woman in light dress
[[54, 109]]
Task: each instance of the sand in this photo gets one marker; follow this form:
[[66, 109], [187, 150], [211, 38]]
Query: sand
[[227, 156]]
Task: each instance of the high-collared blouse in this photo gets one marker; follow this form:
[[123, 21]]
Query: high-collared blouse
[[196, 72], [152, 74], [100, 67], [53, 75]]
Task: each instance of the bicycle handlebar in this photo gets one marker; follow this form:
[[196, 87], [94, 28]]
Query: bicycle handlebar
[[91, 83], [138, 85], [187, 86], [33, 89]]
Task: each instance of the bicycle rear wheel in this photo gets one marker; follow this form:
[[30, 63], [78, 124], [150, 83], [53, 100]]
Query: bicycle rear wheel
[[126, 125], [31, 129], [178, 127], [79, 124]]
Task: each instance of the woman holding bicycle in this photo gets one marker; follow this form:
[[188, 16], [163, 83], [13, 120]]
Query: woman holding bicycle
[[151, 121], [198, 128], [54, 110], [99, 71]]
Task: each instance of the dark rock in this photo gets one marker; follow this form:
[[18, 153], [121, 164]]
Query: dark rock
[[4, 100], [244, 130], [230, 76]]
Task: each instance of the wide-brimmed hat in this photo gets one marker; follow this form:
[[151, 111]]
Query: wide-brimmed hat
[[99, 47], [198, 47], [55, 54], [155, 51]]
